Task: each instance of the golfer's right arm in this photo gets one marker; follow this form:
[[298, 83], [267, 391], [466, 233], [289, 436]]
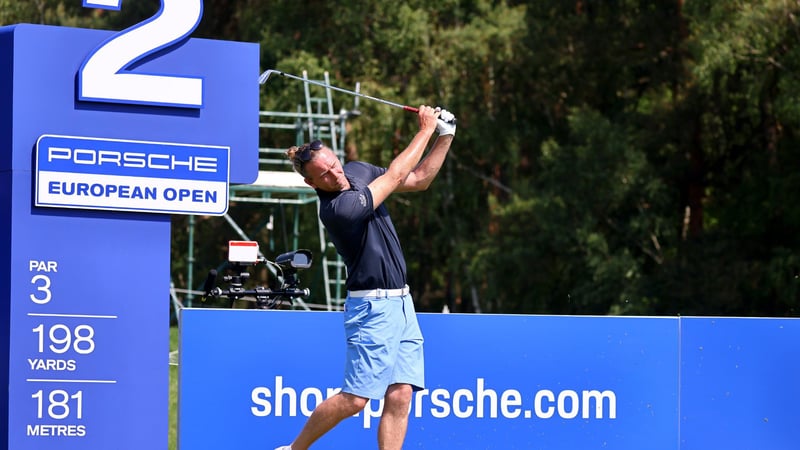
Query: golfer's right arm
[[407, 160]]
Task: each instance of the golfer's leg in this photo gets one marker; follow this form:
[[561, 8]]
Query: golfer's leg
[[394, 420], [326, 416]]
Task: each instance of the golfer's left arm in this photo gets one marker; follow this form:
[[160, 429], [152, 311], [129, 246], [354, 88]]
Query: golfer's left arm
[[423, 175]]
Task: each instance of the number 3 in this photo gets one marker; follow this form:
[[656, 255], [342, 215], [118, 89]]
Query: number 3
[[45, 288], [102, 76]]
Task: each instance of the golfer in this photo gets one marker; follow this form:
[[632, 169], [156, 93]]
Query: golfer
[[384, 357]]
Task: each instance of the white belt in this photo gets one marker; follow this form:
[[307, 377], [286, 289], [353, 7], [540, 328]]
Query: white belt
[[380, 293]]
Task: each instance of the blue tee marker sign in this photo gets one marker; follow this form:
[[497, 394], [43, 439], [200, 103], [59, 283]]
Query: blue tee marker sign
[[103, 134]]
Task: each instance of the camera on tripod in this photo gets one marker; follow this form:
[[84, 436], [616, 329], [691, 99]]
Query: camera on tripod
[[243, 255]]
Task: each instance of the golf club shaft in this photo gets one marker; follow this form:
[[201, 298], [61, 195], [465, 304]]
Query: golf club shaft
[[264, 76]]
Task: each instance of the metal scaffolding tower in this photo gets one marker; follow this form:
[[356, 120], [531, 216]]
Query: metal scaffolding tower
[[278, 184]]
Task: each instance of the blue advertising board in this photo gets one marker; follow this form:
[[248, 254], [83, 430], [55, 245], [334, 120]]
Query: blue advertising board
[[250, 378], [98, 128], [739, 383]]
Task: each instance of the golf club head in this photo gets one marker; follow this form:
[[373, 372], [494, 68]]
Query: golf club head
[[264, 76]]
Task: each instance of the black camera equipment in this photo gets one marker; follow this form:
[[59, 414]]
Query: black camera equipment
[[286, 266]]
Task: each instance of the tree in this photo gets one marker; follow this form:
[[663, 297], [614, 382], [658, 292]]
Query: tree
[[612, 157]]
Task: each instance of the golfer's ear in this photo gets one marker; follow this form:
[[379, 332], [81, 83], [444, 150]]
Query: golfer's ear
[[309, 182]]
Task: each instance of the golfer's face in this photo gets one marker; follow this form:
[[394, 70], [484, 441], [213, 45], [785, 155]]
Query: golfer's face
[[325, 172]]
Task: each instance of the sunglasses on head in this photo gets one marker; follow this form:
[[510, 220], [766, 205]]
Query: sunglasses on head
[[304, 153]]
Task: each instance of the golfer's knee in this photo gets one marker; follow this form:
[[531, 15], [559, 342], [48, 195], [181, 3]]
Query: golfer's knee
[[398, 396], [352, 402]]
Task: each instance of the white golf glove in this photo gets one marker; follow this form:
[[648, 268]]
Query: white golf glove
[[446, 123]]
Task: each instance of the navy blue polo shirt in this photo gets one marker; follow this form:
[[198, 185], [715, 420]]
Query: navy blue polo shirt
[[365, 238]]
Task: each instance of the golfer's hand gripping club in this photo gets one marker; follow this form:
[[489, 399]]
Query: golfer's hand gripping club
[[446, 123]]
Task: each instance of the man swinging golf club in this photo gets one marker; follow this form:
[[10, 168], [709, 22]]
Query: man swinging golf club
[[384, 356]]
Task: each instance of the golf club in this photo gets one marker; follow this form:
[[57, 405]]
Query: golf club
[[264, 76]]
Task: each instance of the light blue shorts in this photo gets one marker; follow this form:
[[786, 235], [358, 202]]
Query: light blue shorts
[[384, 345]]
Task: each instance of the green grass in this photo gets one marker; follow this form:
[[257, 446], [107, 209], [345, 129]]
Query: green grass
[[173, 392]]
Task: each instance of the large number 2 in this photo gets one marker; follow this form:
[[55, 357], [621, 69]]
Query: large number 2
[[102, 76]]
